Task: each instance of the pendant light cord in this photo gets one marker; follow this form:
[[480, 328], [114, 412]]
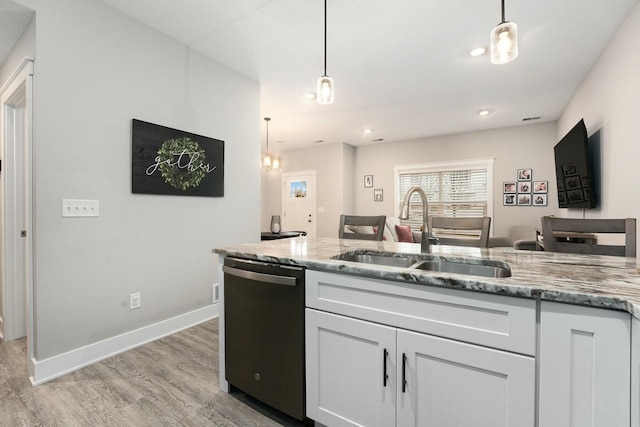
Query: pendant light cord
[[325, 37], [503, 21]]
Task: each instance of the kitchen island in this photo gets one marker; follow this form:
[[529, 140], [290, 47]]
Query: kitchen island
[[556, 343]]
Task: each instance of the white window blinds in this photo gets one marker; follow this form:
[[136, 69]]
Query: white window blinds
[[459, 190]]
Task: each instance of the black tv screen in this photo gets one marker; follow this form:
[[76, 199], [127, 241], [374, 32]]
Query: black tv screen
[[574, 170]]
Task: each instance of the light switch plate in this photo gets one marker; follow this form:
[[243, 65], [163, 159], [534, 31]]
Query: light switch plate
[[80, 208]]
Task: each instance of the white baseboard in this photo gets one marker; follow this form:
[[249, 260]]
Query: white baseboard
[[53, 367]]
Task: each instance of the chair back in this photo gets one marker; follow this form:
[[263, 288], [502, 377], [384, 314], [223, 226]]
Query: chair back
[[552, 227], [462, 227], [361, 227]]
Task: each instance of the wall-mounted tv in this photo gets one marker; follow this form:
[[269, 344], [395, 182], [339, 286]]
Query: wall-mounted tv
[[575, 170]]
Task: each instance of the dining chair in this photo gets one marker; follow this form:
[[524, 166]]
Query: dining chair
[[361, 227], [579, 236], [461, 231]]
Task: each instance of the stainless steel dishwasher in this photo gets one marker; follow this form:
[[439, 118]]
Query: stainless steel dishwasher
[[264, 332]]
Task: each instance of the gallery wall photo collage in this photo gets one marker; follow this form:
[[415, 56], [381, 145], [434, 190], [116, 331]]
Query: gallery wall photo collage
[[524, 191]]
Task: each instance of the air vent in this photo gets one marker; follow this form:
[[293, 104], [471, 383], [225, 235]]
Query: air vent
[[529, 119], [377, 140], [318, 141]]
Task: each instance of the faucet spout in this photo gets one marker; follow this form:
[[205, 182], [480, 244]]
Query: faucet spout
[[404, 214]]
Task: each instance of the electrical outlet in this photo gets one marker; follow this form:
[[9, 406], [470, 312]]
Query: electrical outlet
[[216, 292], [134, 301]]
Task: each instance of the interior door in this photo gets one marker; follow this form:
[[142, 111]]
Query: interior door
[[299, 201]]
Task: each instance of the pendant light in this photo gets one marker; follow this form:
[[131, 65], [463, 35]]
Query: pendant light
[[504, 41], [269, 162], [325, 83]]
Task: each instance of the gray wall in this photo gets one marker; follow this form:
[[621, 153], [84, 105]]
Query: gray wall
[[529, 146], [96, 69], [609, 101], [332, 163]]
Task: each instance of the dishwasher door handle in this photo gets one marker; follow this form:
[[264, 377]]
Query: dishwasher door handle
[[260, 277]]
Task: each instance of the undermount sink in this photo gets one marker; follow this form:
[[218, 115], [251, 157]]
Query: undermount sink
[[392, 261], [464, 268], [473, 267]]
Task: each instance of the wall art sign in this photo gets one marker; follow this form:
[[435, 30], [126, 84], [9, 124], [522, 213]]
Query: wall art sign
[[173, 162]]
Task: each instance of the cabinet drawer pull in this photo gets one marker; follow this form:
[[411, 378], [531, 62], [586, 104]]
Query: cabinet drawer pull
[[404, 372], [384, 368]]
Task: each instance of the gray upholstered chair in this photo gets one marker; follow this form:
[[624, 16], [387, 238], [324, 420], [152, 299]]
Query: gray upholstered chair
[[361, 227], [552, 226], [445, 229]]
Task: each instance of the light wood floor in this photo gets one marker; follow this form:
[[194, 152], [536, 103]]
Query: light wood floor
[[170, 382]]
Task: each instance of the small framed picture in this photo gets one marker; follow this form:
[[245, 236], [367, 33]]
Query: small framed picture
[[572, 183], [585, 181], [539, 200], [524, 187], [540, 186], [377, 195], [368, 181], [524, 174], [570, 169], [509, 187], [524, 199], [562, 197], [509, 200], [575, 196]]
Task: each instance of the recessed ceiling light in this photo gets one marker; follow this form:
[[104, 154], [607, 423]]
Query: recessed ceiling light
[[483, 113], [310, 96], [478, 51], [368, 131]]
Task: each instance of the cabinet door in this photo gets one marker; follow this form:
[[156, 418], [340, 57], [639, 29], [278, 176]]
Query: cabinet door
[[450, 383], [584, 366], [346, 380]]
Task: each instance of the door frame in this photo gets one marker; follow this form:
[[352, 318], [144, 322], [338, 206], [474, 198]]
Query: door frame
[[16, 204], [284, 176]]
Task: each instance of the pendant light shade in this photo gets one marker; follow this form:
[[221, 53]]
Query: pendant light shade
[[504, 41], [325, 90], [325, 83], [268, 161]]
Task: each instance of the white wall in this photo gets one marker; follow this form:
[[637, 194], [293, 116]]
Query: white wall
[[96, 69], [529, 146], [329, 163], [609, 100]]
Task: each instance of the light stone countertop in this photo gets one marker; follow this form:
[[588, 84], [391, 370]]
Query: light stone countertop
[[591, 280]]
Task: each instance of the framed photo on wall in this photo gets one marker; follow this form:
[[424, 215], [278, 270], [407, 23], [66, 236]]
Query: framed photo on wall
[[539, 200], [524, 174], [540, 186], [377, 195], [368, 181], [509, 199]]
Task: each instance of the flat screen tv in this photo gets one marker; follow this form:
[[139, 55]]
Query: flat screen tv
[[574, 170]]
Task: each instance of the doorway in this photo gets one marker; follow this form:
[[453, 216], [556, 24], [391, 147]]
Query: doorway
[[299, 202], [16, 231]]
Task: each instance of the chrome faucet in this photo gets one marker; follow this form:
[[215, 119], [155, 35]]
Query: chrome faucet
[[404, 214]]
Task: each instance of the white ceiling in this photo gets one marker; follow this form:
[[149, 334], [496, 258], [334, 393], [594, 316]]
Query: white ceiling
[[13, 21], [401, 67]]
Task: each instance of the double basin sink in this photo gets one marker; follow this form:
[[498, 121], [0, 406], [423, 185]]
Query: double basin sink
[[473, 267]]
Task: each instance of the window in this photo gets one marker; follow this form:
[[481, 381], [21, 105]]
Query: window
[[454, 189]]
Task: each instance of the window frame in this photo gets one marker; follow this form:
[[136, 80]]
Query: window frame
[[445, 166]]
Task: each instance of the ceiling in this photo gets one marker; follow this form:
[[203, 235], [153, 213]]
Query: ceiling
[[401, 68]]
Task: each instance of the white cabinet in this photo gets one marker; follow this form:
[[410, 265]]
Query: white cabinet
[[356, 376], [346, 361], [584, 366], [449, 383]]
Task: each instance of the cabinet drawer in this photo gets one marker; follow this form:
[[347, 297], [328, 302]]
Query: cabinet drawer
[[496, 321]]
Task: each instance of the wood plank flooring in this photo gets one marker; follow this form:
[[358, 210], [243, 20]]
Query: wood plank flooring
[[169, 382]]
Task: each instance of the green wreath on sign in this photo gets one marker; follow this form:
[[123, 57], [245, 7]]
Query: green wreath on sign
[[180, 161]]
